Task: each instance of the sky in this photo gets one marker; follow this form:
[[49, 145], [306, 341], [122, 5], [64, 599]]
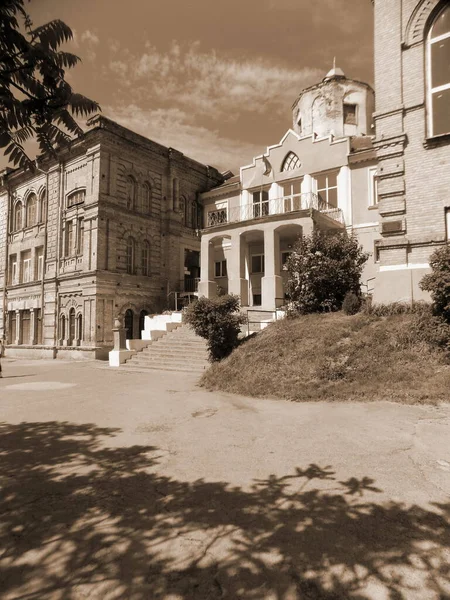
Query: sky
[[215, 79]]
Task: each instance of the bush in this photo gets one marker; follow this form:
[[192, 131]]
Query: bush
[[438, 281], [352, 303], [323, 268], [218, 321], [396, 308]]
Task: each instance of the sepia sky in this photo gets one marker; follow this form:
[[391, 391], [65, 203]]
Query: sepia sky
[[215, 79]]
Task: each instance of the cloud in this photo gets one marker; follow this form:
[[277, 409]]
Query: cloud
[[91, 38], [211, 85], [174, 128]]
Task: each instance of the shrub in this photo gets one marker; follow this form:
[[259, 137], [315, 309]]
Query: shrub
[[322, 268], [351, 304], [396, 308], [218, 321], [438, 281]]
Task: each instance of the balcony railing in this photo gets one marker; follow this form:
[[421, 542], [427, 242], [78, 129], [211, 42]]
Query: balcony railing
[[278, 206]]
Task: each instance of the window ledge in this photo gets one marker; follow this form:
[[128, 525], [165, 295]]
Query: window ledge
[[437, 140], [373, 207]]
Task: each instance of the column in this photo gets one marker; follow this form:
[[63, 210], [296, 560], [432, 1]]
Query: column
[[33, 326], [237, 282], [18, 328], [307, 189], [271, 283], [344, 194], [207, 286]]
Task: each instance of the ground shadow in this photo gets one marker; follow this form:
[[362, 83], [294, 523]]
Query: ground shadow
[[83, 518]]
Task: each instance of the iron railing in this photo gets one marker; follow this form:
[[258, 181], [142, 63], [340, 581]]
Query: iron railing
[[189, 284], [278, 206]]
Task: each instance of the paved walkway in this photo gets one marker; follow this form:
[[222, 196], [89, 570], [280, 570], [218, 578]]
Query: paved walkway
[[143, 486]]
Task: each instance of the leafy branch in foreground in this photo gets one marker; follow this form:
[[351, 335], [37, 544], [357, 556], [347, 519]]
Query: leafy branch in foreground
[[35, 99]]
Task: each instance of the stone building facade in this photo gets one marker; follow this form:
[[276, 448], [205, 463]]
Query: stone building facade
[[320, 176], [109, 229], [412, 124]]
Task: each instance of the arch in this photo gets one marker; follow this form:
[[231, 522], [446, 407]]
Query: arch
[[146, 198], [18, 216], [291, 162], [145, 258], [31, 210], [416, 29], [128, 323], [130, 192], [130, 255]]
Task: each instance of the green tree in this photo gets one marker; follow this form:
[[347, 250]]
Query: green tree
[[219, 321], [323, 268], [438, 281], [35, 100]]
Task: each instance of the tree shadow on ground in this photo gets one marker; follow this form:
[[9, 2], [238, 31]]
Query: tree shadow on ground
[[80, 519]]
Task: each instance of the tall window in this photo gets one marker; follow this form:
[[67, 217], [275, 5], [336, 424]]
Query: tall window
[[131, 193], [32, 210], [71, 326], [373, 187], [145, 254], [291, 162], [350, 114], [13, 269], [62, 327], [80, 235], [439, 74], [220, 268], [292, 195], [38, 326], [68, 250], [39, 264], [18, 216], [146, 198], [260, 203], [257, 263], [327, 189], [25, 266], [79, 327], [130, 255], [26, 330]]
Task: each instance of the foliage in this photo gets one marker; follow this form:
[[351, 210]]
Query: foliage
[[395, 308], [322, 268], [218, 321], [36, 101], [352, 303], [438, 281]]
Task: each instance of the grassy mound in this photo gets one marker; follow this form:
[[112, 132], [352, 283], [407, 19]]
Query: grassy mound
[[338, 357]]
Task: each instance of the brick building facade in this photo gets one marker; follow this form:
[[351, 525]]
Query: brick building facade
[[109, 229], [412, 124]]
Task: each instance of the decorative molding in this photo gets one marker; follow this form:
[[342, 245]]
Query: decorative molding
[[415, 29]]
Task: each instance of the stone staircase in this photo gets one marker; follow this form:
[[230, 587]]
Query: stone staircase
[[178, 350]]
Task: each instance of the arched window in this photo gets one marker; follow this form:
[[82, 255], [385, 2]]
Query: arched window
[[71, 326], [32, 210], [130, 255], [291, 162], [131, 193], [80, 327], [77, 197], [438, 75], [146, 198], [43, 216], [145, 255], [18, 216]]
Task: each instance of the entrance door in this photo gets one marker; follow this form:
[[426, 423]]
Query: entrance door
[[142, 316], [129, 318]]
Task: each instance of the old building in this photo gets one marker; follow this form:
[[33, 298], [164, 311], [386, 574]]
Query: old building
[[109, 229], [412, 121], [321, 175]]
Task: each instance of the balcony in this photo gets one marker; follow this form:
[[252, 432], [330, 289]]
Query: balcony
[[267, 208]]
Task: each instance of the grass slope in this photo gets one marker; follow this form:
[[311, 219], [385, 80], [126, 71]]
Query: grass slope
[[336, 357]]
